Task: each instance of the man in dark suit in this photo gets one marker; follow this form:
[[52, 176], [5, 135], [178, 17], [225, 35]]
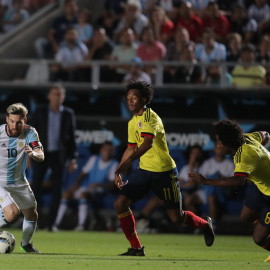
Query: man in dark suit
[[56, 125]]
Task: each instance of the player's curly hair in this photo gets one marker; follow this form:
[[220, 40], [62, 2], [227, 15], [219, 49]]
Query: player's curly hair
[[145, 89], [229, 132]]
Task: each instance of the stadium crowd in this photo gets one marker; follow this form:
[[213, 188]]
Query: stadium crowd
[[212, 32]]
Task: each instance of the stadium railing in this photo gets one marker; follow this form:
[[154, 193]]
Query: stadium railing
[[95, 74]]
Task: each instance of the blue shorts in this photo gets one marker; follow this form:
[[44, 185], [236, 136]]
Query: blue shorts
[[259, 202], [164, 184]]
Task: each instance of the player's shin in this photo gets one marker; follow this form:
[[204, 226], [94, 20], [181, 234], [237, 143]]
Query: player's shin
[[29, 228], [194, 221], [127, 223]]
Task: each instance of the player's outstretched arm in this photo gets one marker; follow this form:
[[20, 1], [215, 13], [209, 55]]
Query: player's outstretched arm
[[234, 181], [36, 154]]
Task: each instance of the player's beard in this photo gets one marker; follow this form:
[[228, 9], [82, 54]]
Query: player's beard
[[14, 132]]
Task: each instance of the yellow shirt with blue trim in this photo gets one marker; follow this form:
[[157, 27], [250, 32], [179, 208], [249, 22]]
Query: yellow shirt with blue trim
[[156, 159], [253, 160]]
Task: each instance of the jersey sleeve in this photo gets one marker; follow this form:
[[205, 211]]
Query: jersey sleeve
[[33, 139], [131, 135], [149, 125], [258, 136]]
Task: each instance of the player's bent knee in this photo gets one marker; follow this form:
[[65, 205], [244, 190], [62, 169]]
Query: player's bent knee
[[258, 240], [11, 213], [121, 205]]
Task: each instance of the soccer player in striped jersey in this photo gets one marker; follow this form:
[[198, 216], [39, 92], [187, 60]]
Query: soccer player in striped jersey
[[157, 170], [252, 161], [17, 141]]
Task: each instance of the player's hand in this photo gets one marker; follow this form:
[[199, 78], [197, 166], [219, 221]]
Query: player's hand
[[196, 178], [28, 150], [122, 169], [118, 181]]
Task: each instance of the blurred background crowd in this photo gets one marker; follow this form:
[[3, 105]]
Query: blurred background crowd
[[187, 49]]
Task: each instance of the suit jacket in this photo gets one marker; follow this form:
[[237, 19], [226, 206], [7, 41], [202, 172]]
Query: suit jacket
[[67, 147]]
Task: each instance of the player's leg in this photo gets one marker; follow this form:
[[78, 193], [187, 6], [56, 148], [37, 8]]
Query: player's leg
[[82, 209], [25, 199], [57, 169], [66, 196], [10, 209], [249, 215], [29, 228], [166, 187], [137, 186]]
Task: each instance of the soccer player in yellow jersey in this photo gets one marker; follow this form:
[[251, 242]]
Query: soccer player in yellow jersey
[[157, 171], [252, 161]]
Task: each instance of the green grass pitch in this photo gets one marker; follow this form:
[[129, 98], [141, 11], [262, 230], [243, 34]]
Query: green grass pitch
[[98, 250]]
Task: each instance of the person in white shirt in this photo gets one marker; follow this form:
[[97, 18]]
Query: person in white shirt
[[100, 170], [70, 54], [216, 167]]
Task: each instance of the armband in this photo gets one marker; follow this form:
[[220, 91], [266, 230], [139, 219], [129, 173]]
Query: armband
[[35, 144]]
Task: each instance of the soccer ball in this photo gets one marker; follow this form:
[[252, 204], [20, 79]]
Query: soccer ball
[[7, 242]]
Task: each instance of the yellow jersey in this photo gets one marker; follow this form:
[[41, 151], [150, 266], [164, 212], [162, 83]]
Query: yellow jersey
[[156, 159], [253, 160]]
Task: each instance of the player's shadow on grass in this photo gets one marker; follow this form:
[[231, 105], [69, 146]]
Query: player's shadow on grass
[[119, 258]]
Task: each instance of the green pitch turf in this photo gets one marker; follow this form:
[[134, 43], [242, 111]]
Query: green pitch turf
[[98, 250]]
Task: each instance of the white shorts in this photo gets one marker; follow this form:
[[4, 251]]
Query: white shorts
[[23, 196]]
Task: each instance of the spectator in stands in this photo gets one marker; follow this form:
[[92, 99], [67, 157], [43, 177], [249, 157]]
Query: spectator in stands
[[174, 50], [161, 24], [70, 54], [193, 195], [47, 47], [233, 49], [100, 49], [210, 50], [248, 75], [147, 6], [189, 73], [198, 7], [214, 20], [263, 55], [175, 47], [112, 13], [56, 127], [168, 7], [260, 12], [95, 180], [190, 21], [216, 167], [150, 49], [241, 24], [84, 28], [34, 5], [15, 15], [136, 72], [125, 51], [133, 18], [214, 73]]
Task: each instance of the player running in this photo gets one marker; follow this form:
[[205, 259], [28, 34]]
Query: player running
[[17, 140], [252, 161], [157, 171]]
